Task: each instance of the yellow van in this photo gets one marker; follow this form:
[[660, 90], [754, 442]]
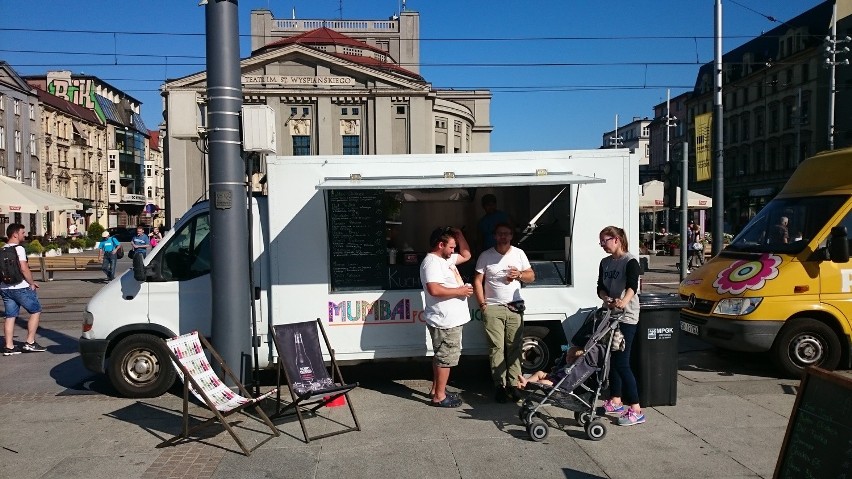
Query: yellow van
[[784, 284]]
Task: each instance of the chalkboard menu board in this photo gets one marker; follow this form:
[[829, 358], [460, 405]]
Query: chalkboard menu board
[[818, 442], [356, 233]]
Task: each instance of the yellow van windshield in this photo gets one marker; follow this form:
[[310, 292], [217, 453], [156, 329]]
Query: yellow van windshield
[[787, 225]]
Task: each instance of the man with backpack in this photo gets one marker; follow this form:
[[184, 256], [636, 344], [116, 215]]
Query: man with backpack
[[18, 289]]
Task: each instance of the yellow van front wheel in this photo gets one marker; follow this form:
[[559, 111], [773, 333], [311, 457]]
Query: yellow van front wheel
[[804, 342]]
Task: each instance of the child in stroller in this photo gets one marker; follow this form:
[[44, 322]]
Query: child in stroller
[[577, 379]]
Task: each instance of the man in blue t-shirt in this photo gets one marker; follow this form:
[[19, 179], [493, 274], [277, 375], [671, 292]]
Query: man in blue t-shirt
[[141, 242], [107, 249]]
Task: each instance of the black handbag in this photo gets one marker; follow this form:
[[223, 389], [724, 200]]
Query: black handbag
[[119, 253], [516, 306]]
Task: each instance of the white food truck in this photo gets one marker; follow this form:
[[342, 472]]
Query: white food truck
[[341, 238]]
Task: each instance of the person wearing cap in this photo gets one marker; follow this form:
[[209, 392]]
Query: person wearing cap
[[446, 309], [107, 250]]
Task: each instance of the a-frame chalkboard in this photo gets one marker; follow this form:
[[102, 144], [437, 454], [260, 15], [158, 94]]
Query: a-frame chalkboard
[[818, 442]]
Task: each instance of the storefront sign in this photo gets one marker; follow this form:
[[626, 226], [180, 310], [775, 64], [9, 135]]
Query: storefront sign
[[296, 80], [130, 198]]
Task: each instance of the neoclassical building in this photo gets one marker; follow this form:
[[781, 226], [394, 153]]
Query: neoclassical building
[[349, 87]]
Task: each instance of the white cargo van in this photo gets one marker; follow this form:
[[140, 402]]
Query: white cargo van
[[341, 238]]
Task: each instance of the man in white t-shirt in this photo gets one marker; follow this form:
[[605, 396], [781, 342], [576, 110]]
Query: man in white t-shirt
[[446, 309], [20, 295], [499, 273]]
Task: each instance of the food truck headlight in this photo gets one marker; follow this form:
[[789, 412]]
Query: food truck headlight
[[737, 306]]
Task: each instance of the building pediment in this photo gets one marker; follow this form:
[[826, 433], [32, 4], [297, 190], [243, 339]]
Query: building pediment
[[296, 67]]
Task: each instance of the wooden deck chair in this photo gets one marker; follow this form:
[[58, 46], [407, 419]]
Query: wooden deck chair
[[300, 359], [187, 352]]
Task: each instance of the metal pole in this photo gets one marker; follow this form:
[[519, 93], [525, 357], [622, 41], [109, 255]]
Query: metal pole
[[718, 165], [228, 213], [799, 126], [668, 147], [684, 244], [831, 65]]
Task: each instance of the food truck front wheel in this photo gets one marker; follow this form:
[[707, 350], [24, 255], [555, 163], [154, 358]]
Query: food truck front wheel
[[806, 342], [140, 367], [539, 347]]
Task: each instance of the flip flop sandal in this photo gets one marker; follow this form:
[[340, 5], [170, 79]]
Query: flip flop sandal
[[449, 401]]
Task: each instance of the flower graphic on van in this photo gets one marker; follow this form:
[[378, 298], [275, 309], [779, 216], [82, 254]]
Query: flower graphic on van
[[747, 274]]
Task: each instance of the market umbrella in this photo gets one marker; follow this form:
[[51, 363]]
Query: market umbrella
[[16, 197], [651, 201]]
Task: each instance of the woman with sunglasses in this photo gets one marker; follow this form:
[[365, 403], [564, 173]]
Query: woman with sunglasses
[[618, 282]]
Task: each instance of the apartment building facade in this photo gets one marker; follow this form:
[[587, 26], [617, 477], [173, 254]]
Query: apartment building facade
[[776, 95]]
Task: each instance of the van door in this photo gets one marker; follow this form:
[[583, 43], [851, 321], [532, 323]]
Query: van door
[[836, 282], [179, 297]]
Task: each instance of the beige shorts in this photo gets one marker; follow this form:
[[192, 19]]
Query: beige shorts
[[447, 345]]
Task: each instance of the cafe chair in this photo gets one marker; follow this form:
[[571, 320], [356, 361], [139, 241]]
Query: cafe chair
[[187, 353], [311, 388]]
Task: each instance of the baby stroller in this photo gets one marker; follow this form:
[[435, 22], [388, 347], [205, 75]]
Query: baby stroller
[[580, 383]]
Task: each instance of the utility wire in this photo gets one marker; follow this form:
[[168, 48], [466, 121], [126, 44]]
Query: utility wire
[[421, 39]]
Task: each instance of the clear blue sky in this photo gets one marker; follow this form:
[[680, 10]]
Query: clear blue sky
[[535, 106]]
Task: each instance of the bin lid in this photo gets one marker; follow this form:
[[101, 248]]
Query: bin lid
[[652, 301]]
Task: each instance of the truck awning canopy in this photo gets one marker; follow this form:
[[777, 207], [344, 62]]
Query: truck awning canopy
[[449, 180]]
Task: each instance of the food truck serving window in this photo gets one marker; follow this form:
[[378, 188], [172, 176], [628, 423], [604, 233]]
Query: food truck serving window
[[378, 236]]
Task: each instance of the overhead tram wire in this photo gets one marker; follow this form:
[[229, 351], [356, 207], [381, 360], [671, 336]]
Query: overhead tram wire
[[437, 39]]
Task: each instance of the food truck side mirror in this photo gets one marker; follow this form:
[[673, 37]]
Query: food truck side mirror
[[838, 245]]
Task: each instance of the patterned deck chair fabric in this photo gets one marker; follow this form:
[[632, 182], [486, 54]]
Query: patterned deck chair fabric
[[300, 360], [198, 376]]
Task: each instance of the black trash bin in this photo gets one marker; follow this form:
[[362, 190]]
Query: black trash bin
[[653, 357]]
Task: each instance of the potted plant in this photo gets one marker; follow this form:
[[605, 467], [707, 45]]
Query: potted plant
[[52, 249], [673, 244], [34, 248], [75, 246]]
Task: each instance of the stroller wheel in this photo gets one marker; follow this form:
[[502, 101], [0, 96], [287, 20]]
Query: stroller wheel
[[524, 412], [582, 417], [596, 430], [538, 430]]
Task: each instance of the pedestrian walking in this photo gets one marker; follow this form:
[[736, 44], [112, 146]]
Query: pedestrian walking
[[19, 292], [108, 253]]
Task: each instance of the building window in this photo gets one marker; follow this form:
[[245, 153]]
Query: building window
[[306, 111], [646, 131], [773, 119], [2, 138], [32, 112], [400, 110], [112, 187], [2, 102], [301, 145], [33, 179], [457, 126], [293, 111], [18, 175], [441, 123], [440, 149], [17, 107], [356, 111], [17, 141], [746, 132], [789, 115], [344, 111], [32, 144], [148, 171], [351, 145], [150, 192]]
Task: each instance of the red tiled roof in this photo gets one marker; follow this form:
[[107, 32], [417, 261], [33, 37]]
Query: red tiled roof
[[154, 140], [327, 36], [67, 107]]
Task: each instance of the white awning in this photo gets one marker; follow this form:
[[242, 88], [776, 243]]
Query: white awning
[[454, 181]]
